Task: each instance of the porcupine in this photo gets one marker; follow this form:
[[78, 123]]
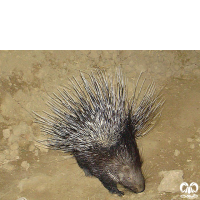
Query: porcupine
[[99, 125]]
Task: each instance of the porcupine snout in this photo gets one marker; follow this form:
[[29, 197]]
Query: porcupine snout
[[139, 185], [138, 181], [132, 178], [136, 186]]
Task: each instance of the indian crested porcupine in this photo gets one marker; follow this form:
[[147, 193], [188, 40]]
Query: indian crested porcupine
[[99, 125]]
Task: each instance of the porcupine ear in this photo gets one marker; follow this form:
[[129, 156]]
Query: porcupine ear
[[146, 107]]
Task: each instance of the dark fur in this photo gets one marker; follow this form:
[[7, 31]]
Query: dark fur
[[120, 163]]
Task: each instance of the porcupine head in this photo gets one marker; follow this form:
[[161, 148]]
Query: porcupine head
[[129, 171]]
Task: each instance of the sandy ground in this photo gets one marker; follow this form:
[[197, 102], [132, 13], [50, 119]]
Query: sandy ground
[[27, 77]]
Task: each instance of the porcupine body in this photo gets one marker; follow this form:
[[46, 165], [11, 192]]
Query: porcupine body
[[99, 125]]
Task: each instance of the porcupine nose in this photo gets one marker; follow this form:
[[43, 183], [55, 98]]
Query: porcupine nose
[[140, 188]]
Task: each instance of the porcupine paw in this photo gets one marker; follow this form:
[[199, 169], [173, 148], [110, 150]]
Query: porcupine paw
[[110, 185], [118, 192], [87, 172]]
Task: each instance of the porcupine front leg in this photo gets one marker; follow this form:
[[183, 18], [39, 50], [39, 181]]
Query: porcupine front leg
[[82, 166], [111, 186], [87, 172]]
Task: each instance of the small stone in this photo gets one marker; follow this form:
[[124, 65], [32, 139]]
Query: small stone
[[198, 139], [189, 139], [36, 152], [198, 130], [14, 146], [21, 129], [2, 157], [6, 133], [6, 152], [8, 167], [31, 147], [22, 184], [192, 146], [13, 139], [25, 165], [14, 154], [171, 181], [177, 152]]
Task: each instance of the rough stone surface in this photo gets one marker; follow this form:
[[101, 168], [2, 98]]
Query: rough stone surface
[[171, 181]]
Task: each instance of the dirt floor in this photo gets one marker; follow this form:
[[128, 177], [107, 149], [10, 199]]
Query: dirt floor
[[35, 173]]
